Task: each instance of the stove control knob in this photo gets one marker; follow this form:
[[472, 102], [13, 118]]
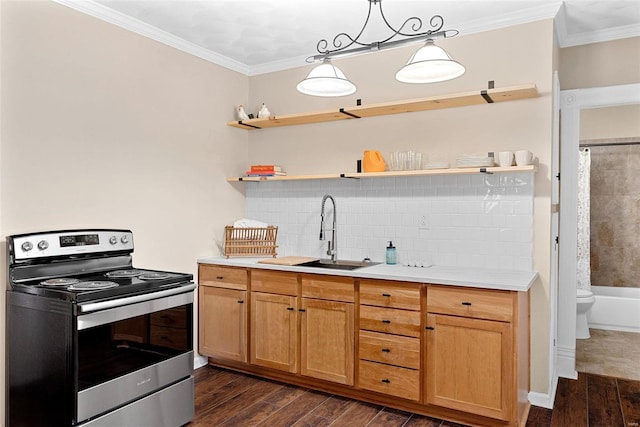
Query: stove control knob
[[27, 246], [43, 244], [124, 239], [113, 240]]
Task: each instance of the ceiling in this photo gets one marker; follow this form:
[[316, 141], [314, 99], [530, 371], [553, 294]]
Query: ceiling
[[260, 36]]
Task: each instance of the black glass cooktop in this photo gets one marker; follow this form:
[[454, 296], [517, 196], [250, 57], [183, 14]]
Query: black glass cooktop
[[103, 285]]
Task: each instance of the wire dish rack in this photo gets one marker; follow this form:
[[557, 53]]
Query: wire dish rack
[[250, 241]]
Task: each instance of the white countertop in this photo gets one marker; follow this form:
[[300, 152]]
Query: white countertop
[[508, 280]]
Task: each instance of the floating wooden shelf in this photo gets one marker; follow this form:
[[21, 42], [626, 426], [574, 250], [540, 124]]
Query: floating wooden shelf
[[451, 171], [487, 96]]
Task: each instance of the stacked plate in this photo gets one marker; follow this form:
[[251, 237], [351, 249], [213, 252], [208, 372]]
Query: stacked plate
[[437, 165], [474, 162]]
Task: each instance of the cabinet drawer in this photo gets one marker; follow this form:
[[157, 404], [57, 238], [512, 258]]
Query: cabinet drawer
[[175, 317], [477, 303], [400, 382], [390, 320], [274, 282], [383, 293], [222, 277], [390, 349], [328, 288], [164, 336]]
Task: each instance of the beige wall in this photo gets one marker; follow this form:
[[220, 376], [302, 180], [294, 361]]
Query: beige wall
[[335, 146], [105, 128], [610, 122], [610, 63]]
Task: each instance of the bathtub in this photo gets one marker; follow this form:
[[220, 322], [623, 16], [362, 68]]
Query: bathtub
[[615, 309]]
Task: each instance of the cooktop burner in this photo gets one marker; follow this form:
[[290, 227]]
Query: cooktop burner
[[92, 285], [154, 276], [61, 282], [123, 274]]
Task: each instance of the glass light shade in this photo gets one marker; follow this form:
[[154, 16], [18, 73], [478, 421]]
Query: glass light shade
[[326, 80], [430, 64]]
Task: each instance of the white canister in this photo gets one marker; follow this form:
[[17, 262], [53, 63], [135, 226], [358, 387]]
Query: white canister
[[523, 157], [505, 158]]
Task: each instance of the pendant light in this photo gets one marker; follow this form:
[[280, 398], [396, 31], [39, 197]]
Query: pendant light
[[326, 80], [430, 64]]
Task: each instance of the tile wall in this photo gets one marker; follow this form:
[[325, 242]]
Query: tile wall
[[457, 220], [615, 216]]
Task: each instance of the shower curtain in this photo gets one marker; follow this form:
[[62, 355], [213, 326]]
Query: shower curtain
[[584, 235]]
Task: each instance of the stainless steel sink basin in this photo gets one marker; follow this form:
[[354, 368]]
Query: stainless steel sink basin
[[338, 265]]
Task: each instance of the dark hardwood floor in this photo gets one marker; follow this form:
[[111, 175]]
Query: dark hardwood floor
[[227, 398]]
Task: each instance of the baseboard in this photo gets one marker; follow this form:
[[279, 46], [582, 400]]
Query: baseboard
[[566, 363], [199, 361], [545, 400]]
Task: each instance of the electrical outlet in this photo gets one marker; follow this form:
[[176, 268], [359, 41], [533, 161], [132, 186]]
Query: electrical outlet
[[423, 221]]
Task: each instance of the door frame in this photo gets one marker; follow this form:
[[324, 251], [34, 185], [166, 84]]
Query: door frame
[[571, 103]]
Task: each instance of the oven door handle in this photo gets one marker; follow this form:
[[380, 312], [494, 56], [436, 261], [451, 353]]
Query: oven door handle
[[104, 305]]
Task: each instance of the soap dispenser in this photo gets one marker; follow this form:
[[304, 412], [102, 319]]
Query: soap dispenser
[[391, 254]]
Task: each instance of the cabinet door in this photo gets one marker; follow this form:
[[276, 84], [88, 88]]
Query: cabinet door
[[327, 340], [469, 365], [222, 315], [273, 331]]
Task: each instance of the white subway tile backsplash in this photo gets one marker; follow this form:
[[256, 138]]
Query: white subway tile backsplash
[[483, 221]]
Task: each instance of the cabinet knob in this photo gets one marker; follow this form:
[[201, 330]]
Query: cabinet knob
[[386, 381], [466, 303], [386, 321], [386, 295], [386, 350]]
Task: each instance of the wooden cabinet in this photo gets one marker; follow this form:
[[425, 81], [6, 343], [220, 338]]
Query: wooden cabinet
[[274, 320], [445, 351], [389, 345], [327, 340], [222, 312], [472, 355], [274, 343], [327, 328]]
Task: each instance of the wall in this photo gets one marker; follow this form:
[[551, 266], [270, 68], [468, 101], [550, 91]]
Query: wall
[[482, 221], [105, 128], [609, 63], [335, 147], [610, 122], [615, 216]]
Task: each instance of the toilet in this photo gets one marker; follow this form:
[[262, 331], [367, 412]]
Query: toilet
[[585, 300]]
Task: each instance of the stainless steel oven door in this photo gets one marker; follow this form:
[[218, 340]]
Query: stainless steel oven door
[[134, 347]]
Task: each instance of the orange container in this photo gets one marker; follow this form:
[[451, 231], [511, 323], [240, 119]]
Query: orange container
[[373, 161]]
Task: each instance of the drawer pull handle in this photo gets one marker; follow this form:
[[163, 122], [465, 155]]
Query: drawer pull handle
[[219, 277], [386, 321], [302, 310], [386, 381], [386, 295], [290, 308], [240, 302], [466, 303], [429, 328], [386, 350]]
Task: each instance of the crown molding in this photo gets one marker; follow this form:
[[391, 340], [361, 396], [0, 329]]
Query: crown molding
[[111, 16], [524, 16], [600, 36]]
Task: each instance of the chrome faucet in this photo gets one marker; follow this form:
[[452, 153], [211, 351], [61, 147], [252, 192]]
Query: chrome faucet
[[332, 249]]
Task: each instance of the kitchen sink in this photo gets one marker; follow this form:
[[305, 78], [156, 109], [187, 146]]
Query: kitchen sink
[[338, 265]]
